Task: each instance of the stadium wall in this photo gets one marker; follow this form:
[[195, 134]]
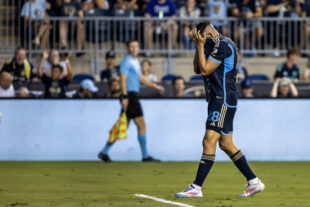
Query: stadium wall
[[266, 130]]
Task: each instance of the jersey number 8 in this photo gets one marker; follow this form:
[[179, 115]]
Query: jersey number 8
[[213, 116]]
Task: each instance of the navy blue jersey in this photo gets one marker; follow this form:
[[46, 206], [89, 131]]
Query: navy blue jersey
[[221, 84]]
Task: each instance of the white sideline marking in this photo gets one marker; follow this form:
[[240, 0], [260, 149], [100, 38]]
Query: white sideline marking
[[163, 200]]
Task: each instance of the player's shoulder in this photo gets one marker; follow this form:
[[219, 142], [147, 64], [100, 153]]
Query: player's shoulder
[[226, 41]]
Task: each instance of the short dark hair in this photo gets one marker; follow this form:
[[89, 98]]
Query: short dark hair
[[175, 79], [57, 67], [293, 51], [146, 61], [130, 41], [202, 26]]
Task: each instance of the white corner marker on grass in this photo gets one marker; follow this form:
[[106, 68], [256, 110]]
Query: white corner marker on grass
[[163, 200]]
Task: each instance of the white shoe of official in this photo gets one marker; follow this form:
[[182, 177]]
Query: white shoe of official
[[253, 189], [192, 191]]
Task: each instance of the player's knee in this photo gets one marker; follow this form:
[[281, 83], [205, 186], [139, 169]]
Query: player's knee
[[223, 146], [141, 125], [208, 144]]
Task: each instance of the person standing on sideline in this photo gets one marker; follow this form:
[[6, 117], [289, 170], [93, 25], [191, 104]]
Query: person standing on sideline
[[131, 76]]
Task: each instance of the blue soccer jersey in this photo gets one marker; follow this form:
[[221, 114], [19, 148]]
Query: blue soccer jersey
[[221, 84], [131, 67]]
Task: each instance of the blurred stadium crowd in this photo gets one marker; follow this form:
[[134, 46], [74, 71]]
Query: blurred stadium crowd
[[55, 72]]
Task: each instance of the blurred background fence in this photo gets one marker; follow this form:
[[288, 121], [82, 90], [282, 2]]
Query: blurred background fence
[[106, 30]]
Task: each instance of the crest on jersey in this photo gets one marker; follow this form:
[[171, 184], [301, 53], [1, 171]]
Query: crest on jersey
[[214, 51]]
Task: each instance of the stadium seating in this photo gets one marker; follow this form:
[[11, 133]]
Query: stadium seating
[[258, 77], [196, 78], [81, 77]]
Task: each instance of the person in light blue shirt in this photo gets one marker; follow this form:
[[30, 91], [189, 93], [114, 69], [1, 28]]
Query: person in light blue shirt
[[218, 9], [131, 76], [36, 9]]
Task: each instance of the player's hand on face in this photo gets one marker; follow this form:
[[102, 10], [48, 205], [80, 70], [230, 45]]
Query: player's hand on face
[[125, 104], [191, 35], [200, 39], [160, 88]]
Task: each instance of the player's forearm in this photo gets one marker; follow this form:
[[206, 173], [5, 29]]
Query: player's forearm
[[146, 82], [202, 60], [196, 65], [124, 85]]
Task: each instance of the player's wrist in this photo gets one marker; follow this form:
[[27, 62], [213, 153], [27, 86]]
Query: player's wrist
[[124, 96]]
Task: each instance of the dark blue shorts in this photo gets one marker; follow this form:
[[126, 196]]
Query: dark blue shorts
[[220, 117]]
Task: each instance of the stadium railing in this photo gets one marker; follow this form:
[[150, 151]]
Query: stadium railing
[[103, 33]]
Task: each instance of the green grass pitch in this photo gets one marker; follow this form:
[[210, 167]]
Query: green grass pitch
[[96, 184]]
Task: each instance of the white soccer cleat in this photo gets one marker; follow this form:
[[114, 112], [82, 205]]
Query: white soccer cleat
[[191, 192], [253, 189]]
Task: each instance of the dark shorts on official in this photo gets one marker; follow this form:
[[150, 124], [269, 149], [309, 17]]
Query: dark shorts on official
[[220, 117], [134, 108]]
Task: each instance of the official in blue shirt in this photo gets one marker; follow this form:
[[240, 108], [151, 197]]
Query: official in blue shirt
[[160, 9], [131, 77]]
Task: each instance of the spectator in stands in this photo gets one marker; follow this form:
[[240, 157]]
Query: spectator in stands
[[94, 4], [146, 66], [283, 88], [188, 11], [36, 9], [142, 5], [111, 69], [23, 92], [127, 4], [115, 89], [290, 68], [87, 89], [53, 59], [247, 89], [248, 9], [218, 9], [55, 86], [306, 71], [178, 84], [20, 68], [72, 8], [53, 7], [160, 9], [6, 86], [284, 8]]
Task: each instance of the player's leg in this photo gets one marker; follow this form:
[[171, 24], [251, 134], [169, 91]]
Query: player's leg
[[209, 147], [140, 123], [227, 145]]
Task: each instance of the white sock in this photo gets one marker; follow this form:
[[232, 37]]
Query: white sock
[[254, 181], [197, 187]]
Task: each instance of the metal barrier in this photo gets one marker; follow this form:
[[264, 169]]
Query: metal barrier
[[96, 33]]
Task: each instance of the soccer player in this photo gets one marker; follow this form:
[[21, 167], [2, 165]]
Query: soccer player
[[131, 76], [216, 59]]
